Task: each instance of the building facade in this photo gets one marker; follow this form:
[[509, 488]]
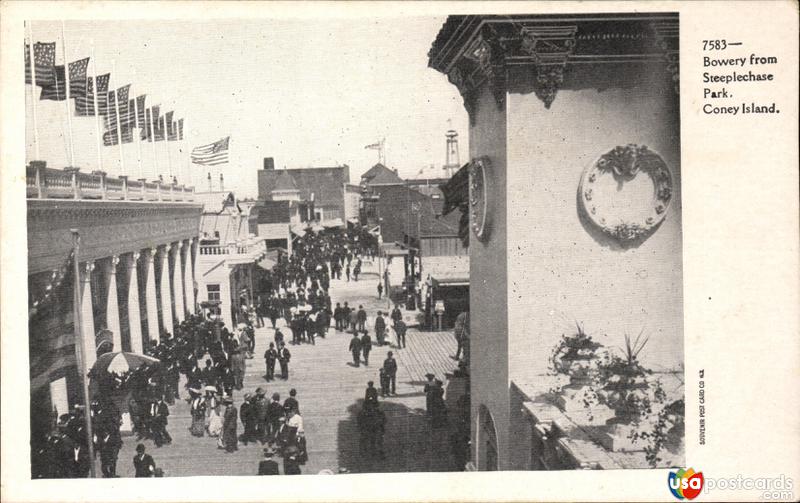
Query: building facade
[[560, 105], [138, 245]]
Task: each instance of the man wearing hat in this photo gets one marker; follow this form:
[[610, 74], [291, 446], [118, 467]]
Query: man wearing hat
[[291, 466], [275, 412], [268, 466], [355, 349], [143, 463], [271, 356], [429, 388], [283, 358], [390, 366], [248, 415], [260, 406]]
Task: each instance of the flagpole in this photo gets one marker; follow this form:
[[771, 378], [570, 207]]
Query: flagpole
[[95, 92], [33, 91], [153, 141], [166, 144], [66, 102], [119, 120], [81, 358], [138, 137]]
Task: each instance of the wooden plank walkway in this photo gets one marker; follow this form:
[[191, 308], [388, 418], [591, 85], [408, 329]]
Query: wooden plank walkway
[[330, 392]]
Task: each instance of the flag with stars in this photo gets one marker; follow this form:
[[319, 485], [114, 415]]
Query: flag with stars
[[84, 105], [140, 111], [44, 57], [180, 129], [77, 77], [172, 133]]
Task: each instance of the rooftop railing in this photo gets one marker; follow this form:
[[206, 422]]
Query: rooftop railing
[[69, 183], [241, 247]]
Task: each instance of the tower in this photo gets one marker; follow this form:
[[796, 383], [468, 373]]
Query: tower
[[452, 161]]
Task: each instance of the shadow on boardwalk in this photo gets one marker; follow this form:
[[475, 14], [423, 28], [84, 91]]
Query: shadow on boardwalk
[[410, 444]]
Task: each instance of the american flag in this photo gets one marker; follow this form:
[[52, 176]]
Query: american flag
[[160, 129], [212, 154], [84, 105], [140, 122], [77, 77], [44, 55], [144, 133], [57, 90], [171, 129], [180, 129]]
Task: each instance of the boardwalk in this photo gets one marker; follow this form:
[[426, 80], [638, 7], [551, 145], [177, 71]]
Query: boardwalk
[[330, 391]]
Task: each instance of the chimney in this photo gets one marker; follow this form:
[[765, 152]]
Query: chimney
[[269, 163]]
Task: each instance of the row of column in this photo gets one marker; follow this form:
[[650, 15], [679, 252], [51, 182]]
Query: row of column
[[181, 278]]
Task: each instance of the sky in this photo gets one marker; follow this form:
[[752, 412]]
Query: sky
[[308, 92]]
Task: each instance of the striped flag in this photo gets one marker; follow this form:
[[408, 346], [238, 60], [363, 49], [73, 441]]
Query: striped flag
[[172, 133], [160, 129], [212, 154], [44, 57], [57, 90], [77, 77], [180, 129], [84, 105], [144, 133], [140, 122]]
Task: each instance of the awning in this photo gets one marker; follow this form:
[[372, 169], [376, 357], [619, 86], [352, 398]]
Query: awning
[[336, 222]]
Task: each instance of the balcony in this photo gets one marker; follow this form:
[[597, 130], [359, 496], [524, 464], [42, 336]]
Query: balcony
[[69, 183], [252, 247]]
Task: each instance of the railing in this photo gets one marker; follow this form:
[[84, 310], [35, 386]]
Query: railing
[[69, 183], [240, 248]]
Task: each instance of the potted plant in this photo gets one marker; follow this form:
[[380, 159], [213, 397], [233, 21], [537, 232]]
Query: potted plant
[[625, 387], [575, 357]]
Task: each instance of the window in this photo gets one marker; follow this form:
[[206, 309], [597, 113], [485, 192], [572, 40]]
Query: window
[[213, 292]]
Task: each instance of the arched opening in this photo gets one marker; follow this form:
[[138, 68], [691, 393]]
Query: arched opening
[[486, 448]]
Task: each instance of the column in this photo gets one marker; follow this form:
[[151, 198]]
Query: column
[[112, 304], [134, 312], [166, 297], [177, 281], [88, 343], [195, 248], [188, 280], [150, 293]]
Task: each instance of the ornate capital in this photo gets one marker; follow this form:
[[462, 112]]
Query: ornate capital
[[114, 263], [483, 63], [549, 47], [178, 246], [150, 254], [666, 35], [86, 270]]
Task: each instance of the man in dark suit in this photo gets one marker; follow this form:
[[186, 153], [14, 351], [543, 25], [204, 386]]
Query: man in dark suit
[[78, 462], [268, 466], [283, 358], [291, 403], [143, 463], [355, 349], [361, 317], [380, 329], [275, 412], [271, 356], [390, 367], [366, 346], [400, 330], [110, 443], [371, 394], [396, 313]]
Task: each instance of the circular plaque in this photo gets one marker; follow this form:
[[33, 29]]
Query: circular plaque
[[626, 192], [478, 204]]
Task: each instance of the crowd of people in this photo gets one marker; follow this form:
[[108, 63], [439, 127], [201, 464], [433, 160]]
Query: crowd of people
[[213, 360]]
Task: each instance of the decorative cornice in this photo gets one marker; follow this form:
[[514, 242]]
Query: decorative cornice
[[550, 47], [667, 39], [477, 51]]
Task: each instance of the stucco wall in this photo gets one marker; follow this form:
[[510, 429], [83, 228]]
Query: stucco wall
[[488, 286], [561, 270]]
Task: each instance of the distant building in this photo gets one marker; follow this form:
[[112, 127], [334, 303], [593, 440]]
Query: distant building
[[379, 175], [320, 194], [274, 222], [228, 255]]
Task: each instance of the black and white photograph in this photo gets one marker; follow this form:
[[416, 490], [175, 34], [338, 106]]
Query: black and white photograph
[[284, 246]]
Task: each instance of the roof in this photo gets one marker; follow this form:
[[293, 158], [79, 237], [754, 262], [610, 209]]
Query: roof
[[327, 184], [216, 202], [380, 175], [396, 208], [284, 181]]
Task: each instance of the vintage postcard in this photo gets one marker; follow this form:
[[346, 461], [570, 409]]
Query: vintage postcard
[[395, 246]]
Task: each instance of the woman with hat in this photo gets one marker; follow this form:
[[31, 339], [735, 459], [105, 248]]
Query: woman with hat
[[213, 419], [198, 408]]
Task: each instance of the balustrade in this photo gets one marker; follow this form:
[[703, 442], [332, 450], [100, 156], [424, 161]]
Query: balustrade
[[42, 182]]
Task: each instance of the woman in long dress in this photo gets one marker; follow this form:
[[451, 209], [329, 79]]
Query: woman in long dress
[[198, 408], [229, 439], [214, 422]]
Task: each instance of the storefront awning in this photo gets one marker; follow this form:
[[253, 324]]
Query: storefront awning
[[267, 263]]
